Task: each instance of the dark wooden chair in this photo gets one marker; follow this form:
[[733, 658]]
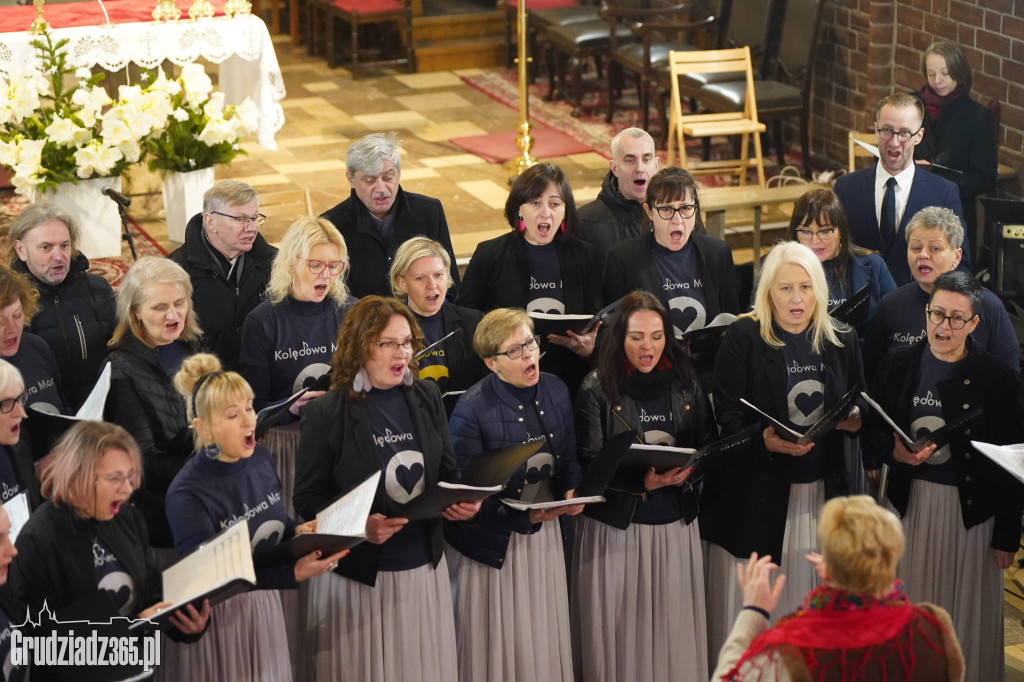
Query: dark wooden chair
[[785, 92], [393, 19], [656, 33], [540, 15]]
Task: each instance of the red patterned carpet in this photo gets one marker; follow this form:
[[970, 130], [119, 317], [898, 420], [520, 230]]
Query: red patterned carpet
[[112, 269]]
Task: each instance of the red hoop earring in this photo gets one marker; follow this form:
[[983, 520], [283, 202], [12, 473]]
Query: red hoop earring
[[562, 227], [522, 225]]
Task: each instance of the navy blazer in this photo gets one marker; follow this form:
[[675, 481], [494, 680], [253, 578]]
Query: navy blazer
[[869, 270], [857, 192]]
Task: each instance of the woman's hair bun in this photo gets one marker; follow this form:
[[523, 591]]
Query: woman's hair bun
[[194, 368]]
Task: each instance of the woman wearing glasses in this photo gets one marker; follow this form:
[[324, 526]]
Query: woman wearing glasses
[[691, 273], [934, 238], [232, 477], [638, 563], [508, 568], [540, 266], [156, 330], [420, 276], [791, 360], [89, 537], [961, 512], [819, 223], [386, 611]]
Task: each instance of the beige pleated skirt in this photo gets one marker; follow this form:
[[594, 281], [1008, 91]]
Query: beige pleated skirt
[[244, 642], [283, 443], [723, 597], [638, 603], [400, 630], [512, 624], [948, 565]]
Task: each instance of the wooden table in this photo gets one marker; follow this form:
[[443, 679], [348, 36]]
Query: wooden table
[[715, 201]]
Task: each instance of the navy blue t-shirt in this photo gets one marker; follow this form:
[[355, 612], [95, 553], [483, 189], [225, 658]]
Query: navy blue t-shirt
[[545, 290], [434, 363], [9, 484], [838, 289], [805, 397], [208, 496], [683, 287], [661, 505], [926, 416], [171, 356], [34, 360], [9, 672], [287, 346], [112, 577], [401, 460], [540, 468]]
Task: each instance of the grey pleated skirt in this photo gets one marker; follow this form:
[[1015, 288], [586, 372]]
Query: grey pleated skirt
[[855, 467], [948, 565], [638, 603], [244, 642], [283, 443], [512, 624], [400, 630], [723, 597]]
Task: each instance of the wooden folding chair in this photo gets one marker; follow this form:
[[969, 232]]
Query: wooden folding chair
[[743, 123], [858, 152]]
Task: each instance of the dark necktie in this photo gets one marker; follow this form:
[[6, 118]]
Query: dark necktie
[[887, 220]]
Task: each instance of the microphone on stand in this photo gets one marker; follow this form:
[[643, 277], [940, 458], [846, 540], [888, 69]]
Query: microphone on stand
[[121, 199], [123, 202]]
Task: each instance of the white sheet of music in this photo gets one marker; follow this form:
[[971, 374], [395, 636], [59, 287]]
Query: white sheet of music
[[1009, 457], [18, 512], [347, 516], [222, 559]]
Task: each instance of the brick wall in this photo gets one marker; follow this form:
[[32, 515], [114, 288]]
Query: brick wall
[[869, 46]]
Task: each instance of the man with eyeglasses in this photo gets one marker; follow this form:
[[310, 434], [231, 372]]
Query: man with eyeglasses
[[379, 215], [617, 214], [934, 238], [880, 199], [228, 261]]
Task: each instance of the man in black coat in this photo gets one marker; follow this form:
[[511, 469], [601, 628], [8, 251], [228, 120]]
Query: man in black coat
[[228, 261], [76, 313], [379, 215], [618, 214]]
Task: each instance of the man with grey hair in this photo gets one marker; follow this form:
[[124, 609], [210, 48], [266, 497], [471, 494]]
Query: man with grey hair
[[76, 313], [379, 215], [228, 261], [935, 239], [618, 214]]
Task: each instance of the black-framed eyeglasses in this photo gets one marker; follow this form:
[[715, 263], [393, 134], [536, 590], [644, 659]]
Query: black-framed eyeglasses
[[117, 480], [392, 346], [243, 220], [886, 133], [515, 352], [823, 233], [317, 266], [937, 317], [685, 211], [7, 404]]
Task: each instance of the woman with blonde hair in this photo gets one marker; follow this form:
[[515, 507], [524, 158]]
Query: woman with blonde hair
[[232, 477], [859, 625], [17, 472], [288, 340], [156, 330], [89, 537], [794, 362], [386, 611], [420, 277]]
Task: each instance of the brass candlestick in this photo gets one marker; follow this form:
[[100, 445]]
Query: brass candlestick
[[237, 8], [201, 9], [524, 141], [39, 26], [166, 10]]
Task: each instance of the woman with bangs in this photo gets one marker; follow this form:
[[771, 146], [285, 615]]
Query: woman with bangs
[[691, 273], [288, 340], [791, 360], [88, 537], [232, 477], [386, 611], [819, 223], [540, 266], [156, 330]]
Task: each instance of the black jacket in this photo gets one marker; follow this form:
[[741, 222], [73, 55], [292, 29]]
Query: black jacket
[[55, 560], [76, 319], [221, 307], [598, 418], [336, 454], [371, 254], [143, 401], [630, 266], [465, 367], [744, 502], [25, 470], [981, 381], [962, 138], [612, 218]]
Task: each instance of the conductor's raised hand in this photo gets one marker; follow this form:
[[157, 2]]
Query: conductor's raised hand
[[755, 579]]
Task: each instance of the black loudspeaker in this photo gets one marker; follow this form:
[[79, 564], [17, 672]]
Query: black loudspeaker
[[1005, 218]]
